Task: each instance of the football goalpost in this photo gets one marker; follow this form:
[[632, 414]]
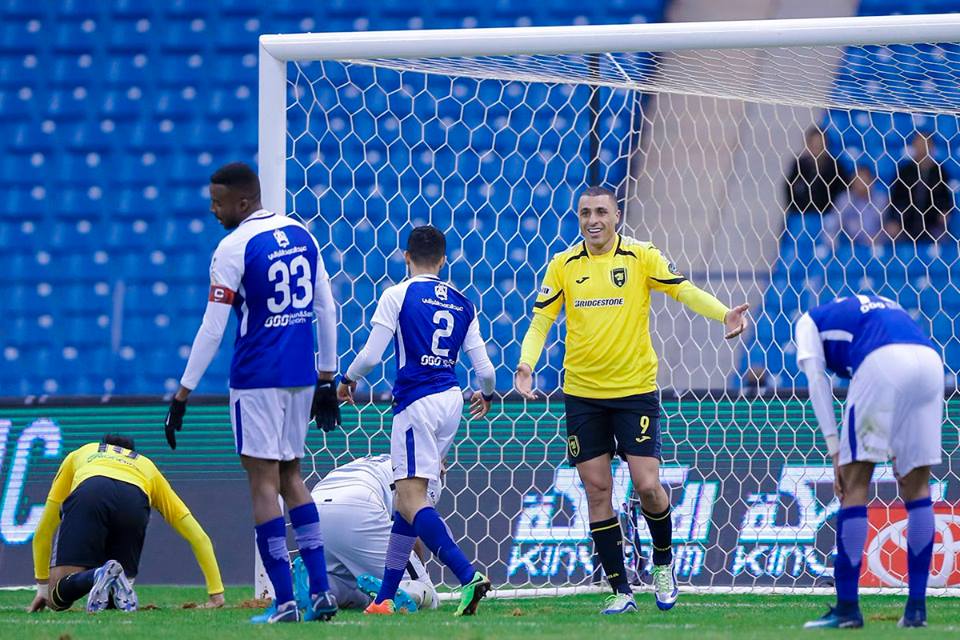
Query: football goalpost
[[489, 134]]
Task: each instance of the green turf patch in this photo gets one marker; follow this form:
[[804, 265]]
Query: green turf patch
[[701, 617]]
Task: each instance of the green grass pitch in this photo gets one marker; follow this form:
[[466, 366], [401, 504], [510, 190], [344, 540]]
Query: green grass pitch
[[701, 617]]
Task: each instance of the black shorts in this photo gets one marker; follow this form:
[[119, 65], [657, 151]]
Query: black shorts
[[103, 519], [613, 426]]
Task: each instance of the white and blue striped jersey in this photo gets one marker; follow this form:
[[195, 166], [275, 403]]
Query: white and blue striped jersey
[[269, 269], [846, 330], [431, 322]]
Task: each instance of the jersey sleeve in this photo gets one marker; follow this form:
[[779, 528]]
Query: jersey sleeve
[[226, 267], [62, 482], [473, 339], [550, 296], [165, 500], [807, 337], [663, 276], [387, 313]]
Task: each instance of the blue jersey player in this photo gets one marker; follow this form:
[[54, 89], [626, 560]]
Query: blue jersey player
[[269, 271], [894, 408], [429, 322]]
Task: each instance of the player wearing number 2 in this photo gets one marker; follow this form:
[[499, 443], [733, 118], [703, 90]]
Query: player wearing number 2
[[269, 271], [429, 322], [610, 376]]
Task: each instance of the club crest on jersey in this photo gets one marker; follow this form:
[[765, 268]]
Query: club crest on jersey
[[573, 445], [618, 276], [440, 291], [282, 241]]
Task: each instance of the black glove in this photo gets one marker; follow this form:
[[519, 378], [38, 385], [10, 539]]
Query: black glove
[[174, 421], [325, 410]]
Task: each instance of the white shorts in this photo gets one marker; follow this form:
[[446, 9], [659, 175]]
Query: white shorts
[[895, 409], [422, 434], [356, 531], [270, 424]]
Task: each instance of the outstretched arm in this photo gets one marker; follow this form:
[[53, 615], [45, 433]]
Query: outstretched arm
[[370, 356], [192, 532], [165, 500], [530, 351], [664, 277]]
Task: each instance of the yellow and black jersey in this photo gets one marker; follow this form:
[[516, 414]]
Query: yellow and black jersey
[[607, 302], [99, 459], [111, 461]]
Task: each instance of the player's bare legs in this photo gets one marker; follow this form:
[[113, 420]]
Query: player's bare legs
[[921, 526], [655, 504], [264, 479], [305, 520], [597, 479], [597, 482]]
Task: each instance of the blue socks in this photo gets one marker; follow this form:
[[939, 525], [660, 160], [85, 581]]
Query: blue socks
[[920, 529], [402, 539], [305, 520], [272, 545], [851, 536], [430, 528]]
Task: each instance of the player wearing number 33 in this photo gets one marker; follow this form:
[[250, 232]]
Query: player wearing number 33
[[429, 321], [610, 376], [894, 408], [269, 271]]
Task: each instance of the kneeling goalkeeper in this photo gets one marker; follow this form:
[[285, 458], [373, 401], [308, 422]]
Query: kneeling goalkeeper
[[101, 500]]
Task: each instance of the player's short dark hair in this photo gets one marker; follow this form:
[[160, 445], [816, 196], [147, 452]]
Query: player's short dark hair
[[426, 245], [600, 191], [237, 175], [118, 440]]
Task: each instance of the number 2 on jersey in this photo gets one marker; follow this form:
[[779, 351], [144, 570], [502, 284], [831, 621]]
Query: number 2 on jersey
[[281, 274], [444, 321]]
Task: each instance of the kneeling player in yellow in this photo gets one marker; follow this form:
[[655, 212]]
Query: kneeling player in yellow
[[610, 376], [101, 499]]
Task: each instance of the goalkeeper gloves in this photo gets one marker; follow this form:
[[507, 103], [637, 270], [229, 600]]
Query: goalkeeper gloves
[[325, 410], [174, 421]]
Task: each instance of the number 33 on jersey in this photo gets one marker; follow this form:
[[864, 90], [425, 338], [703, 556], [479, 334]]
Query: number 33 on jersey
[[269, 268]]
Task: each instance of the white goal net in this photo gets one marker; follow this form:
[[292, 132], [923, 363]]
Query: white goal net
[[780, 176]]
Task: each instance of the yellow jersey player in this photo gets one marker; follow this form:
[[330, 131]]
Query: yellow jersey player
[[101, 499], [610, 376]]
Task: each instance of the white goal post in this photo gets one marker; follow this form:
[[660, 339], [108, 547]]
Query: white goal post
[[490, 133]]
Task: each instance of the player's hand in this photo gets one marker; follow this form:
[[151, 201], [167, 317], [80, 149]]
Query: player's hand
[[39, 600], [214, 602], [345, 391], [479, 406], [174, 421], [736, 321], [325, 410], [523, 382], [837, 478]]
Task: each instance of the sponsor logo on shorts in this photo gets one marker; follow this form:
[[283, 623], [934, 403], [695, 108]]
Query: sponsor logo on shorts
[[598, 302], [573, 445]]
